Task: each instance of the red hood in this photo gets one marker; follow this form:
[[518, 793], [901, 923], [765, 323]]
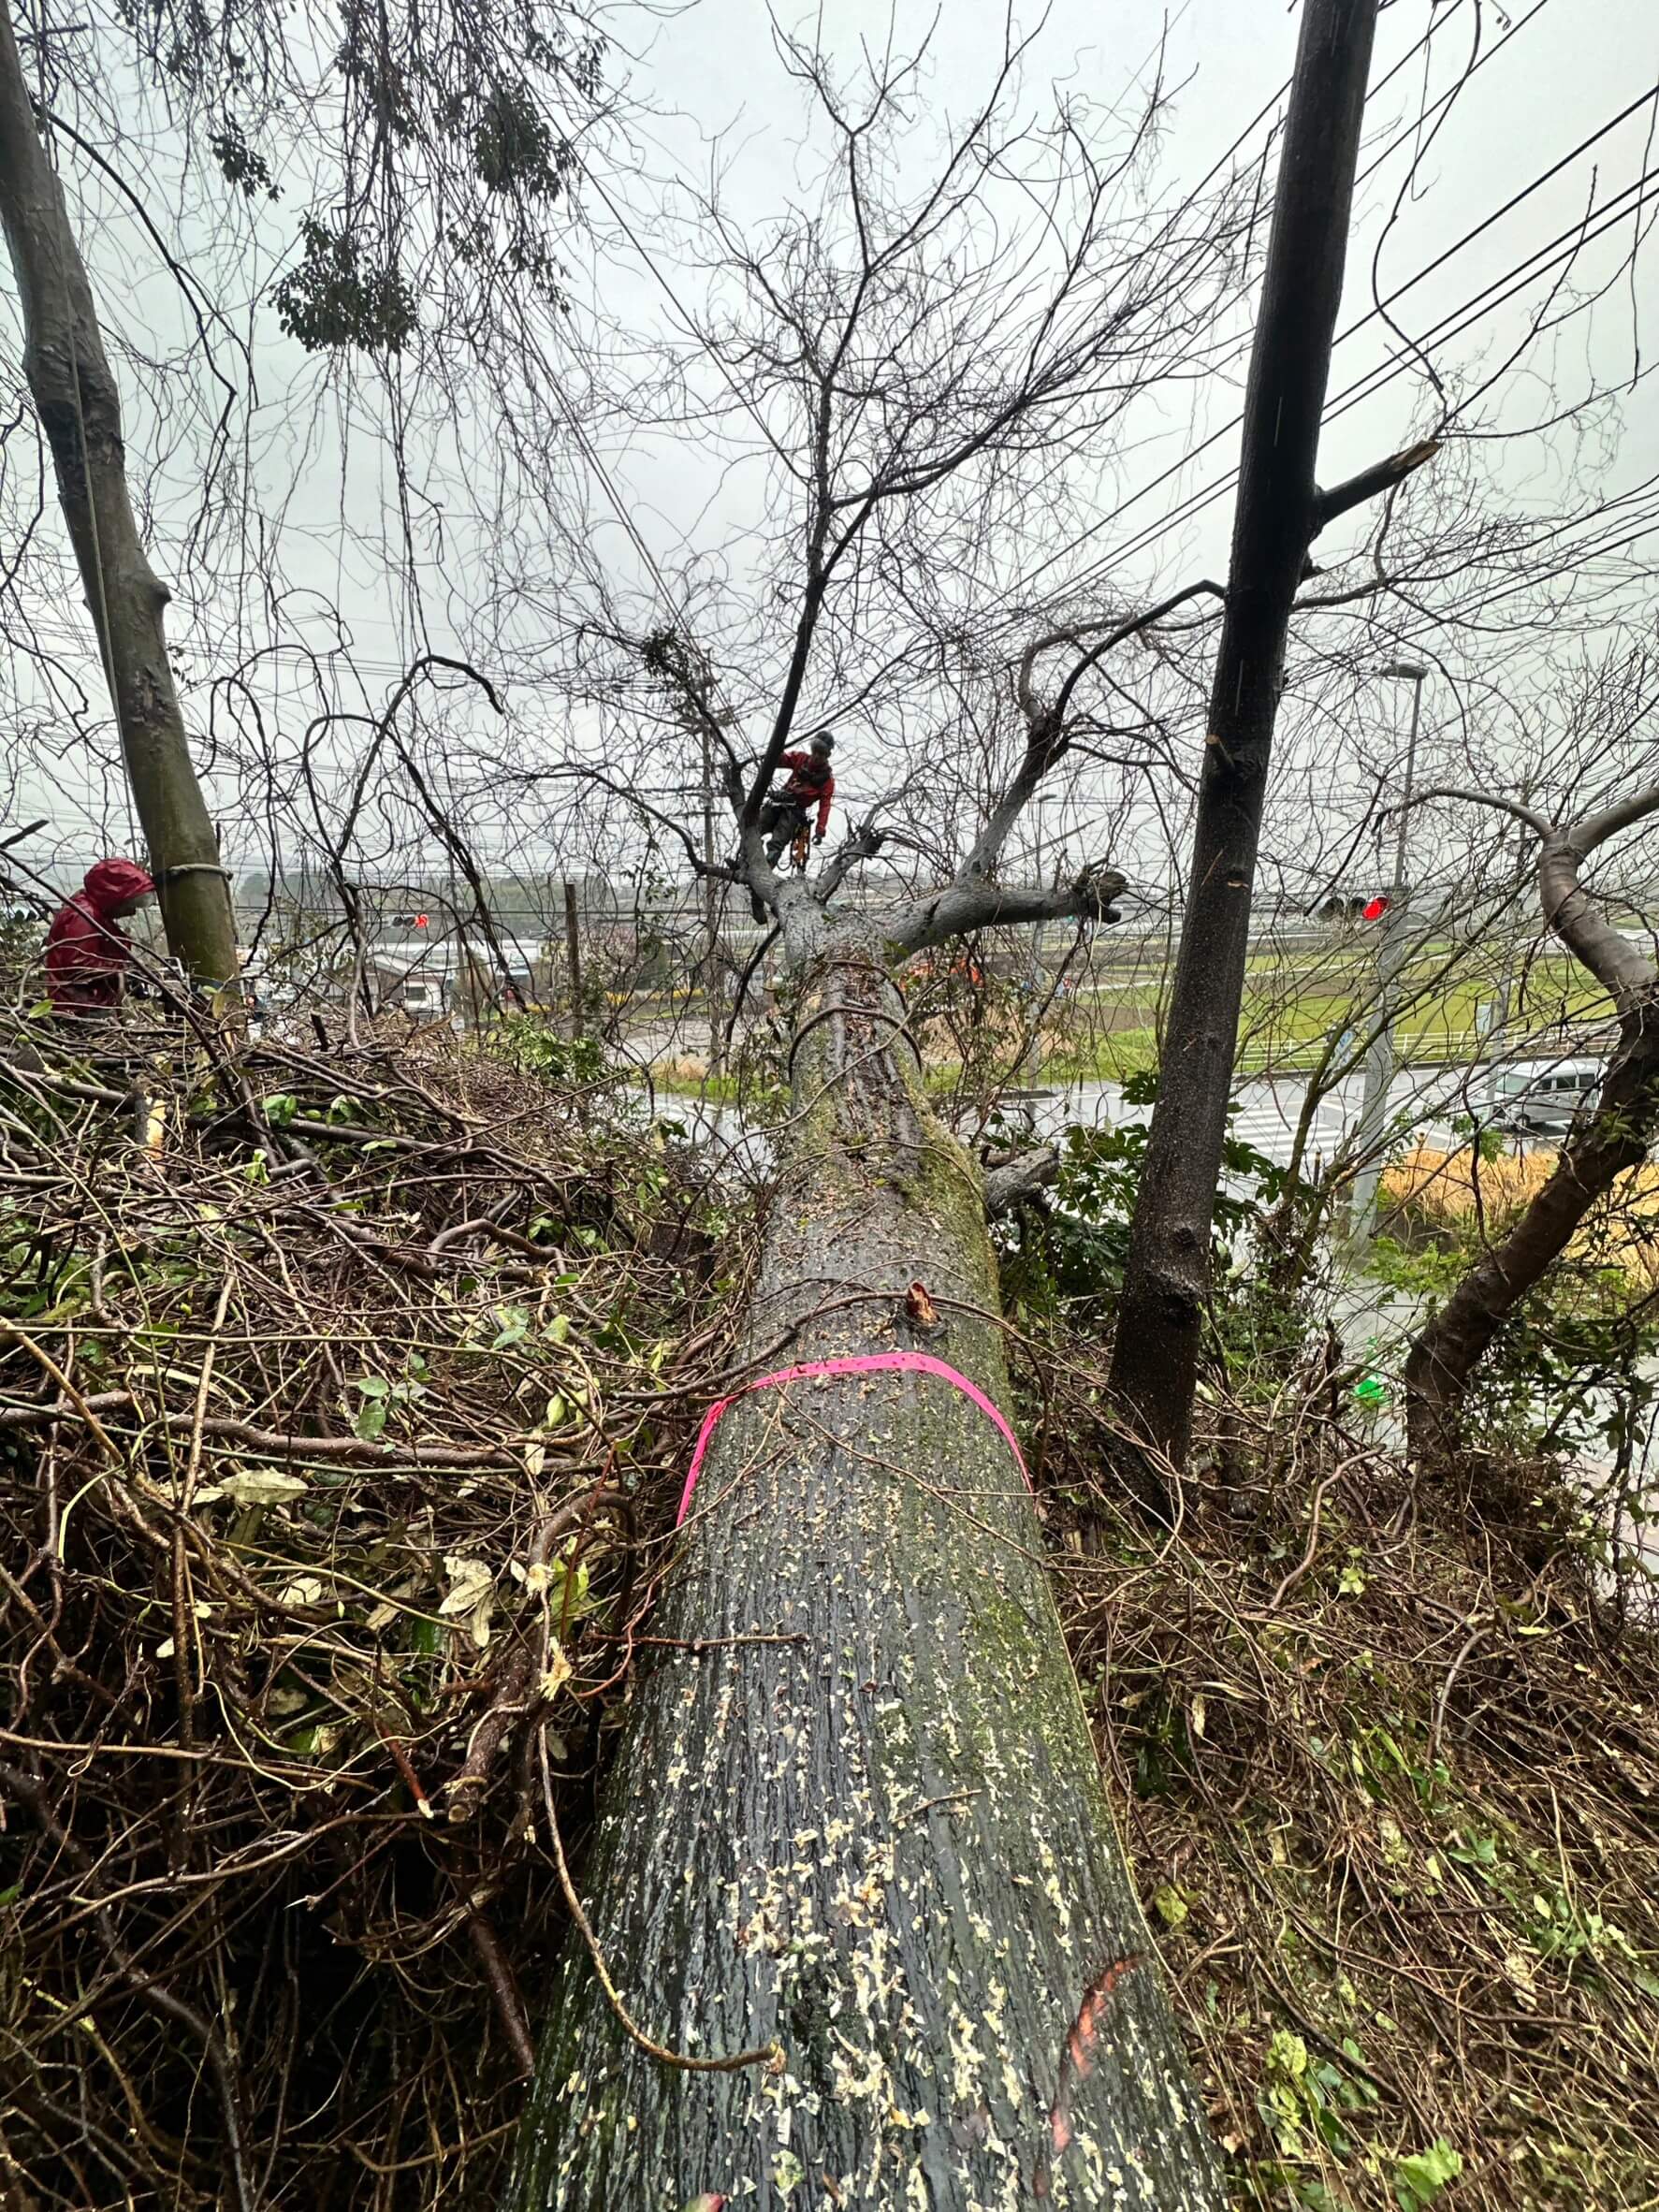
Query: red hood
[[111, 883]]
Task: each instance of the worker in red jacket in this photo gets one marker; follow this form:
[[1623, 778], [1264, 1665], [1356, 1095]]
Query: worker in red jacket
[[810, 784], [87, 953]]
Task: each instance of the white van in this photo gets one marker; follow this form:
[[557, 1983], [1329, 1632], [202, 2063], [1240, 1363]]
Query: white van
[[1540, 1098], [422, 995]]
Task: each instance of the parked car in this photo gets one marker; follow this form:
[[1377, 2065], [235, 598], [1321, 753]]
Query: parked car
[[1540, 1098]]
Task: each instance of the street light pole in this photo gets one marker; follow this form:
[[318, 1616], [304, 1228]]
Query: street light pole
[[1497, 1035], [1379, 1059], [1030, 1069], [713, 991]]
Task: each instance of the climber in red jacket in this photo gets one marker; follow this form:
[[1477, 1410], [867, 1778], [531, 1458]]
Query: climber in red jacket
[[810, 784], [87, 954]]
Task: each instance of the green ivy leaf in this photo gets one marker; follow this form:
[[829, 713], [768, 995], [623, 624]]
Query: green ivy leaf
[[1419, 2179], [515, 1327]]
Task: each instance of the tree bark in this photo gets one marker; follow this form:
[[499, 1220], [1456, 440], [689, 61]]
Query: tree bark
[[80, 408], [1444, 1353], [883, 1842], [1165, 1282]]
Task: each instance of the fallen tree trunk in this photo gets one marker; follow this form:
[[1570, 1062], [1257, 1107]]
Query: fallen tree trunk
[[884, 1844]]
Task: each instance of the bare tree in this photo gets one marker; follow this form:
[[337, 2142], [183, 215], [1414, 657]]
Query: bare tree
[[405, 174], [79, 407], [1616, 1138], [1280, 511], [836, 1833], [907, 407]]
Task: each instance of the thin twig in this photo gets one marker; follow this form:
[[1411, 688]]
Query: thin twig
[[509, 2005], [1305, 1563], [769, 2054], [1475, 1637]]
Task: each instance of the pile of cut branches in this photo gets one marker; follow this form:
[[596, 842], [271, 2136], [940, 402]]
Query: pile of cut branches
[[333, 1387]]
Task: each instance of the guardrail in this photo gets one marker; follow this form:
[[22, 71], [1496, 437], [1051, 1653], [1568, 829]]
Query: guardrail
[[1448, 1048]]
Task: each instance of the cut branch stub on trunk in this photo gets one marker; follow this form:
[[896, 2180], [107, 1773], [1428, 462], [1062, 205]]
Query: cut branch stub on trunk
[[1011, 1182], [884, 1845], [966, 905]]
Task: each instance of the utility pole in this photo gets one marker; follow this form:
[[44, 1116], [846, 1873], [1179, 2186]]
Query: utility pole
[[697, 712], [1497, 1034], [714, 993], [1379, 1059], [1029, 1073], [573, 947]]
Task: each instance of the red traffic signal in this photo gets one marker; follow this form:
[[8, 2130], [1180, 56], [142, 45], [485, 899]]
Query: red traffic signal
[[1376, 909]]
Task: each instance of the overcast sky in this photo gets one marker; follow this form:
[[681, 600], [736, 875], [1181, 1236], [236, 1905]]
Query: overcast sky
[[1570, 67], [713, 92]]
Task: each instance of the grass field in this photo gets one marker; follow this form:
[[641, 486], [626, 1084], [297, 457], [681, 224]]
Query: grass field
[[1295, 1004], [1291, 1011]]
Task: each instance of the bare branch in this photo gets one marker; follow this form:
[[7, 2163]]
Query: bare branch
[[863, 844], [1203, 588], [1595, 829], [1625, 972], [1535, 822], [1619, 965], [1047, 741]]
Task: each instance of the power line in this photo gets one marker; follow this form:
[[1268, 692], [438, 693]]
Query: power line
[[1196, 501], [1372, 381], [1365, 386], [1565, 246]]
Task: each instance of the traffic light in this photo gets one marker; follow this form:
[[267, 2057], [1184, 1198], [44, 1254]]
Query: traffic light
[[408, 921], [1375, 909]]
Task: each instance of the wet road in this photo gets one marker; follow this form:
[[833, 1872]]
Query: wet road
[[1422, 1102]]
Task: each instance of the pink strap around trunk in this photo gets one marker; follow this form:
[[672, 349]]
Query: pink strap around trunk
[[919, 1363]]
